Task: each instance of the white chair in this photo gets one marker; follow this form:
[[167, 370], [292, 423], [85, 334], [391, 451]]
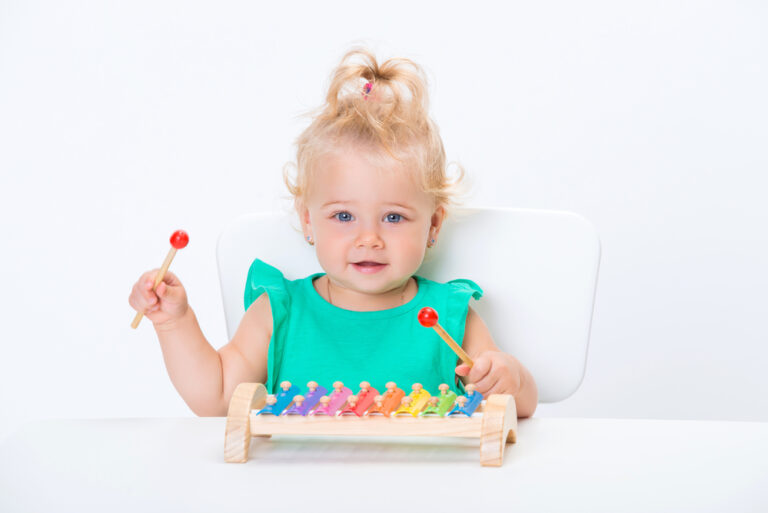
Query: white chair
[[538, 270]]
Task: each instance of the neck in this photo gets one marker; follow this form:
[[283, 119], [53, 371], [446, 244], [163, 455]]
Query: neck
[[361, 302]]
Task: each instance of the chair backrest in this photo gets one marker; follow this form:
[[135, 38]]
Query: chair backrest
[[538, 270]]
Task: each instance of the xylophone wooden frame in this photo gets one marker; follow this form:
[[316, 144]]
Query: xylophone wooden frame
[[494, 423]]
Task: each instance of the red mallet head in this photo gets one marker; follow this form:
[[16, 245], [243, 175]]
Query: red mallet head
[[179, 239], [427, 317]]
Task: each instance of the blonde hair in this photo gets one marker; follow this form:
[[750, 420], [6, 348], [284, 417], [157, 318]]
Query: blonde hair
[[383, 108]]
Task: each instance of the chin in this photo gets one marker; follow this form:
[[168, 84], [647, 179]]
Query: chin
[[381, 286]]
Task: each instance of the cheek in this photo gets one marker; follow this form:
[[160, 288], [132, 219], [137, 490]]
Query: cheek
[[412, 244], [327, 231], [331, 240], [327, 254], [335, 235]]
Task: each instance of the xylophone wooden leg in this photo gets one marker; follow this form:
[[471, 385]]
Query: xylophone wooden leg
[[499, 427], [237, 437]]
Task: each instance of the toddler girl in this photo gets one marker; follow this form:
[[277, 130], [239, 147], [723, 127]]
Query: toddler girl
[[371, 193]]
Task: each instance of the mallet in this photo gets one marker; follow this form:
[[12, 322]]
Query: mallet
[[179, 239], [428, 319]]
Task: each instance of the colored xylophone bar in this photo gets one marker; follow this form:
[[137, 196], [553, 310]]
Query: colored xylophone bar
[[252, 413], [368, 401]]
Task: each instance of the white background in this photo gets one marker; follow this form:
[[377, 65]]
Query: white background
[[123, 121]]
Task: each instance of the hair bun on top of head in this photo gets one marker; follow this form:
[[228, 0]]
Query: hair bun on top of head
[[388, 100], [384, 106]]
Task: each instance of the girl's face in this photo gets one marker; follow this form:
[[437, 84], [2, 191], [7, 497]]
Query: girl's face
[[370, 223]]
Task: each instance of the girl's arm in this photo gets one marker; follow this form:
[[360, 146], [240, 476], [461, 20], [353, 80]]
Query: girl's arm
[[496, 372], [244, 358], [205, 378]]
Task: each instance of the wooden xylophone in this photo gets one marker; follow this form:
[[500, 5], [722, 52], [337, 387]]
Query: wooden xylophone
[[254, 413]]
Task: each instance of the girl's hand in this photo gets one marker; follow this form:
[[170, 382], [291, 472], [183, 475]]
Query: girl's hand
[[167, 303], [494, 372]]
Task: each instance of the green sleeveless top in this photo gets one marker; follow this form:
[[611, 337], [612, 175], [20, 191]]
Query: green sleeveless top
[[313, 340]]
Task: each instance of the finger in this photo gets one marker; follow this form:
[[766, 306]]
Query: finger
[[463, 369], [173, 294], [485, 385], [171, 279], [508, 381], [479, 370], [498, 388], [162, 290], [149, 296], [137, 298], [148, 278]]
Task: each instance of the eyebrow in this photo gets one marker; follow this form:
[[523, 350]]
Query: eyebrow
[[340, 202], [334, 202], [400, 205]]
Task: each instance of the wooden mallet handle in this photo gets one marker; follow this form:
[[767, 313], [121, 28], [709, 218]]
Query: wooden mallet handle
[[179, 239], [428, 318], [158, 280]]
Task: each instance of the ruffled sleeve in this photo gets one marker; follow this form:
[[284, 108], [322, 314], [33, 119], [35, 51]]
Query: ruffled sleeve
[[262, 278], [467, 288], [461, 291]]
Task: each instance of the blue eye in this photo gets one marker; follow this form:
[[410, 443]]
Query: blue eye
[[394, 218], [344, 217]]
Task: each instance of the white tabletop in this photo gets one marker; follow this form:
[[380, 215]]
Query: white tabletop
[[557, 465]]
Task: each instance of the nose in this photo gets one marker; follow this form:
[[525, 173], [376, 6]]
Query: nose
[[368, 237]]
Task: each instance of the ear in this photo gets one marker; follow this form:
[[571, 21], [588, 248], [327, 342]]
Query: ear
[[437, 221], [304, 218]]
